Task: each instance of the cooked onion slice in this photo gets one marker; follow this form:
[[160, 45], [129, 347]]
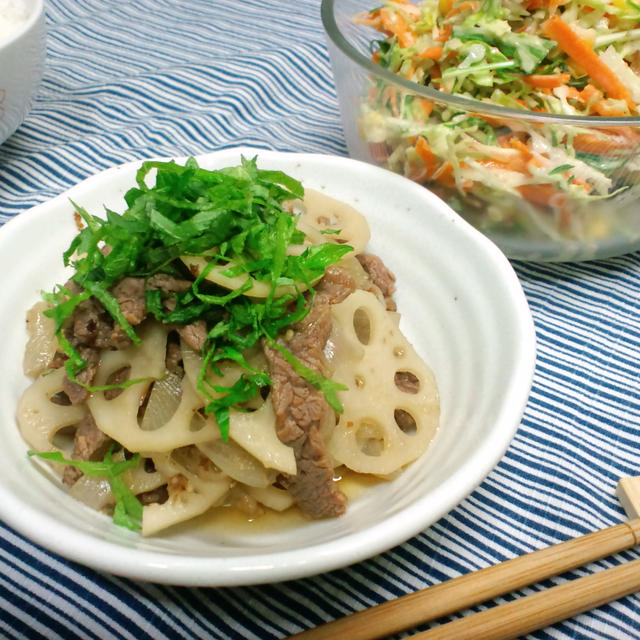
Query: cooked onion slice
[[233, 460], [42, 344], [163, 401]]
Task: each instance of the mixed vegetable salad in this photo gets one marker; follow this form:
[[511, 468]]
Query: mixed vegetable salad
[[518, 176]]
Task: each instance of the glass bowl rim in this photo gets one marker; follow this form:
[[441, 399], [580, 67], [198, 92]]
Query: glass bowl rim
[[467, 104]]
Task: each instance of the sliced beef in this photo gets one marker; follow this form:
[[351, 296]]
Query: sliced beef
[[76, 393], [300, 414], [173, 358], [118, 339], [72, 287], [58, 360], [130, 294], [335, 286], [89, 444], [194, 334], [167, 283], [89, 330], [380, 276], [91, 325], [301, 410]]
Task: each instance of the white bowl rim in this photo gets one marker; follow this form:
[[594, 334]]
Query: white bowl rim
[[34, 17], [103, 555], [468, 104]]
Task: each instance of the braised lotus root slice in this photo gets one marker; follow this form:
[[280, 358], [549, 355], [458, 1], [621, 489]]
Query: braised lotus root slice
[[391, 407], [118, 417], [254, 431], [39, 418], [194, 485], [216, 274], [323, 213]]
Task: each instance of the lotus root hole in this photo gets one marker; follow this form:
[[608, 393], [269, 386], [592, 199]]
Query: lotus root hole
[[406, 422], [63, 438], [117, 377], [60, 398], [407, 381], [362, 325]]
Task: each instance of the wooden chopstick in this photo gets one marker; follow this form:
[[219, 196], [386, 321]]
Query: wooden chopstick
[[473, 588], [541, 609]]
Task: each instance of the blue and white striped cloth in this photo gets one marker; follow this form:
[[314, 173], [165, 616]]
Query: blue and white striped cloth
[[126, 80]]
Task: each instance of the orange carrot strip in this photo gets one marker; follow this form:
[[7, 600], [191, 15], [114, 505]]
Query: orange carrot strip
[[427, 156], [394, 23], [548, 195], [542, 194], [607, 111], [547, 81], [519, 162], [433, 53], [537, 193], [427, 106], [444, 33], [387, 20], [444, 174], [526, 153], [516, 143], [406, 39], [620, 138], [459, 8], [590, 93], [498, 122], [410, 72], [582, 183], [580, 52], [371, 19]]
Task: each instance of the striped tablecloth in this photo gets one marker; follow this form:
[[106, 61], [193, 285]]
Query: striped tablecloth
[[126, 80]]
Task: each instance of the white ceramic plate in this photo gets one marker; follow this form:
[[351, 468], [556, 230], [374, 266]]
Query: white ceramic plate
[[462, 307]]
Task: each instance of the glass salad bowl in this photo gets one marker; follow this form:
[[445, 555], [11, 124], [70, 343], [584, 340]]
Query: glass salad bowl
[[546, 164]]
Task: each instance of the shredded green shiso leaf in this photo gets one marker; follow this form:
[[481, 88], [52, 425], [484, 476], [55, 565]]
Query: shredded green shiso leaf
[[233, 215]]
